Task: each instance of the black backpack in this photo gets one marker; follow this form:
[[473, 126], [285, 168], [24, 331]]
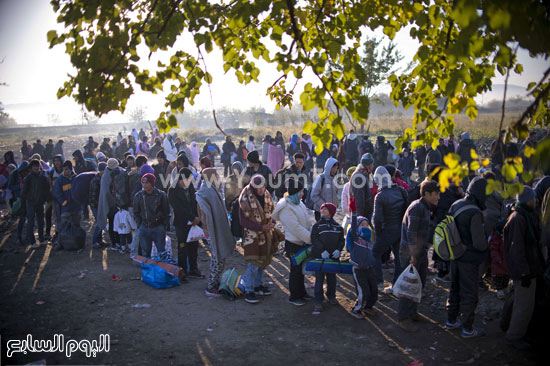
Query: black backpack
[[119, 180], [236, 228]]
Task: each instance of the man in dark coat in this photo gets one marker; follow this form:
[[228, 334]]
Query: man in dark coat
[[35, 193]]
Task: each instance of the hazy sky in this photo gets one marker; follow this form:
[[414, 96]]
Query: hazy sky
[[34, 72]]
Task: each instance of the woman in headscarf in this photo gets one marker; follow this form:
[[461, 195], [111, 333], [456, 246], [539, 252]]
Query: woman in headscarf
[[279, 139], [275, 156], [213, 216], [260, 240], [195, 154], [293, 147]]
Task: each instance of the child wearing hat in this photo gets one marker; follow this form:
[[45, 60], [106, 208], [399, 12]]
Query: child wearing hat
[[327, 239]]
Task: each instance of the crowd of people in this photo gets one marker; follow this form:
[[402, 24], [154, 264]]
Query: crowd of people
[[139, 192]]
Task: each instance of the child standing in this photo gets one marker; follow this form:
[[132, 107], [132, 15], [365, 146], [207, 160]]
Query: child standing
[[327, 238], [359, 243], [123, 226]]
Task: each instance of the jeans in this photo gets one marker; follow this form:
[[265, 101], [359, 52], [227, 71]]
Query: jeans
[[381, 246], [253, 277], [32, 212], [463, 295], [149, 235], [331, 286], [97, 232], [406, 307]]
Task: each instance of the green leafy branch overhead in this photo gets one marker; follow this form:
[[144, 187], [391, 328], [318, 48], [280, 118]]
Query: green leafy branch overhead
[[463, 44]]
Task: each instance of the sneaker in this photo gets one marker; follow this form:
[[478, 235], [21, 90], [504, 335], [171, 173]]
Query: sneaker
[[251, 298], [122, 249], [262, 291], [115, 247], [456, 325], [407, 326], [297, 302], [501, 294], [317, 308], [369, 312], [333, 301], [380, 287], [307, 297], [475, 332], [211, 292], [195, 273], [357, 314], [519, 344]]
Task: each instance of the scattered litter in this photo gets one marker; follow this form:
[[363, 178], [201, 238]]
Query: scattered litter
[[141, 305], [270, 283], [101, 305], [432, 348], [40, 302], [209, 329], [135, 278], [407, 349], [81, 276], [416, 363], [114, 277], [447, 359]]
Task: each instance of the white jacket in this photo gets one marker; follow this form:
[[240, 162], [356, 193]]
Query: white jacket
[[345, 199], [170, 149], [295, 220], [123, 222]]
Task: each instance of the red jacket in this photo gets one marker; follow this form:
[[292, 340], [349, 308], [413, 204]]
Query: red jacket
[[498, 263]]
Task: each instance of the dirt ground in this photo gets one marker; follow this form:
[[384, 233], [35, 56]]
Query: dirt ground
[[41, 294]]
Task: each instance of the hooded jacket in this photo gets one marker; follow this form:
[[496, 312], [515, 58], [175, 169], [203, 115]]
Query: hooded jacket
[[295, 219], [184, 204], [170, 148], [470, 222], [390, 205], [324, 188], [360, 250], [82, 165], [36, 189], [15, 181]]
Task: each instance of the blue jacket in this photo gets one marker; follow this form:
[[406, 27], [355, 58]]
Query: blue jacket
[[62, 194], [360, 250]]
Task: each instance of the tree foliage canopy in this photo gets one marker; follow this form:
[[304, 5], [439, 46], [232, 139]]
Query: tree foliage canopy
[[463, 43]]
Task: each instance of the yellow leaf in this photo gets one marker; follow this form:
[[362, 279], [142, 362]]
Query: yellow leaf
[[509, 172], [444, 179], [451, 160], [486, 162], [528, 151], [474, 165], [473, 154]]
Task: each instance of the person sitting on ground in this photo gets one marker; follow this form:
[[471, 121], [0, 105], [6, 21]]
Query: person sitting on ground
[[327, 239], [359, 243]]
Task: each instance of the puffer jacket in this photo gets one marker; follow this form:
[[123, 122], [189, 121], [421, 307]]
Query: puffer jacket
[[295, 220], [390, 205], [361, 184], [93, 197], [151, 210], [36, 189], [464, 150], [327, 235], [324, 188]]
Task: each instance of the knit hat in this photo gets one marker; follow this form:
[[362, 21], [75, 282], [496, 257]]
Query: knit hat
[[465, 135], [112, 163], [149, 178], [253, 157], [100, 156], [258, 181], [66, 164], [101, 166], [146, 168], [293, 186], [390, 168], [330, 207], [205, 161], [350, 171], [527, 195], [367, 159]]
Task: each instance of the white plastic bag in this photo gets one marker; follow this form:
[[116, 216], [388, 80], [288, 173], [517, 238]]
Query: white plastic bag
[[409, 285], [195, 233], [167, 248]]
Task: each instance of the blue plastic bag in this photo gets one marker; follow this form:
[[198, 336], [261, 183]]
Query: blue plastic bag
[[157, 277]]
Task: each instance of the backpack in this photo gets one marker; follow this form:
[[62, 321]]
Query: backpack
[[121, 186], [447, 242], [309, 202], [231, 284], [236, 228]]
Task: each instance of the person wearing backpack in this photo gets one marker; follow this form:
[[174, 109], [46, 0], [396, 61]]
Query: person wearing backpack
[[324, 189], [294, 216], [183, 202], [416, 230], [525, 261], [390, 205], [361, 185], [70, 209], [463, 295]]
